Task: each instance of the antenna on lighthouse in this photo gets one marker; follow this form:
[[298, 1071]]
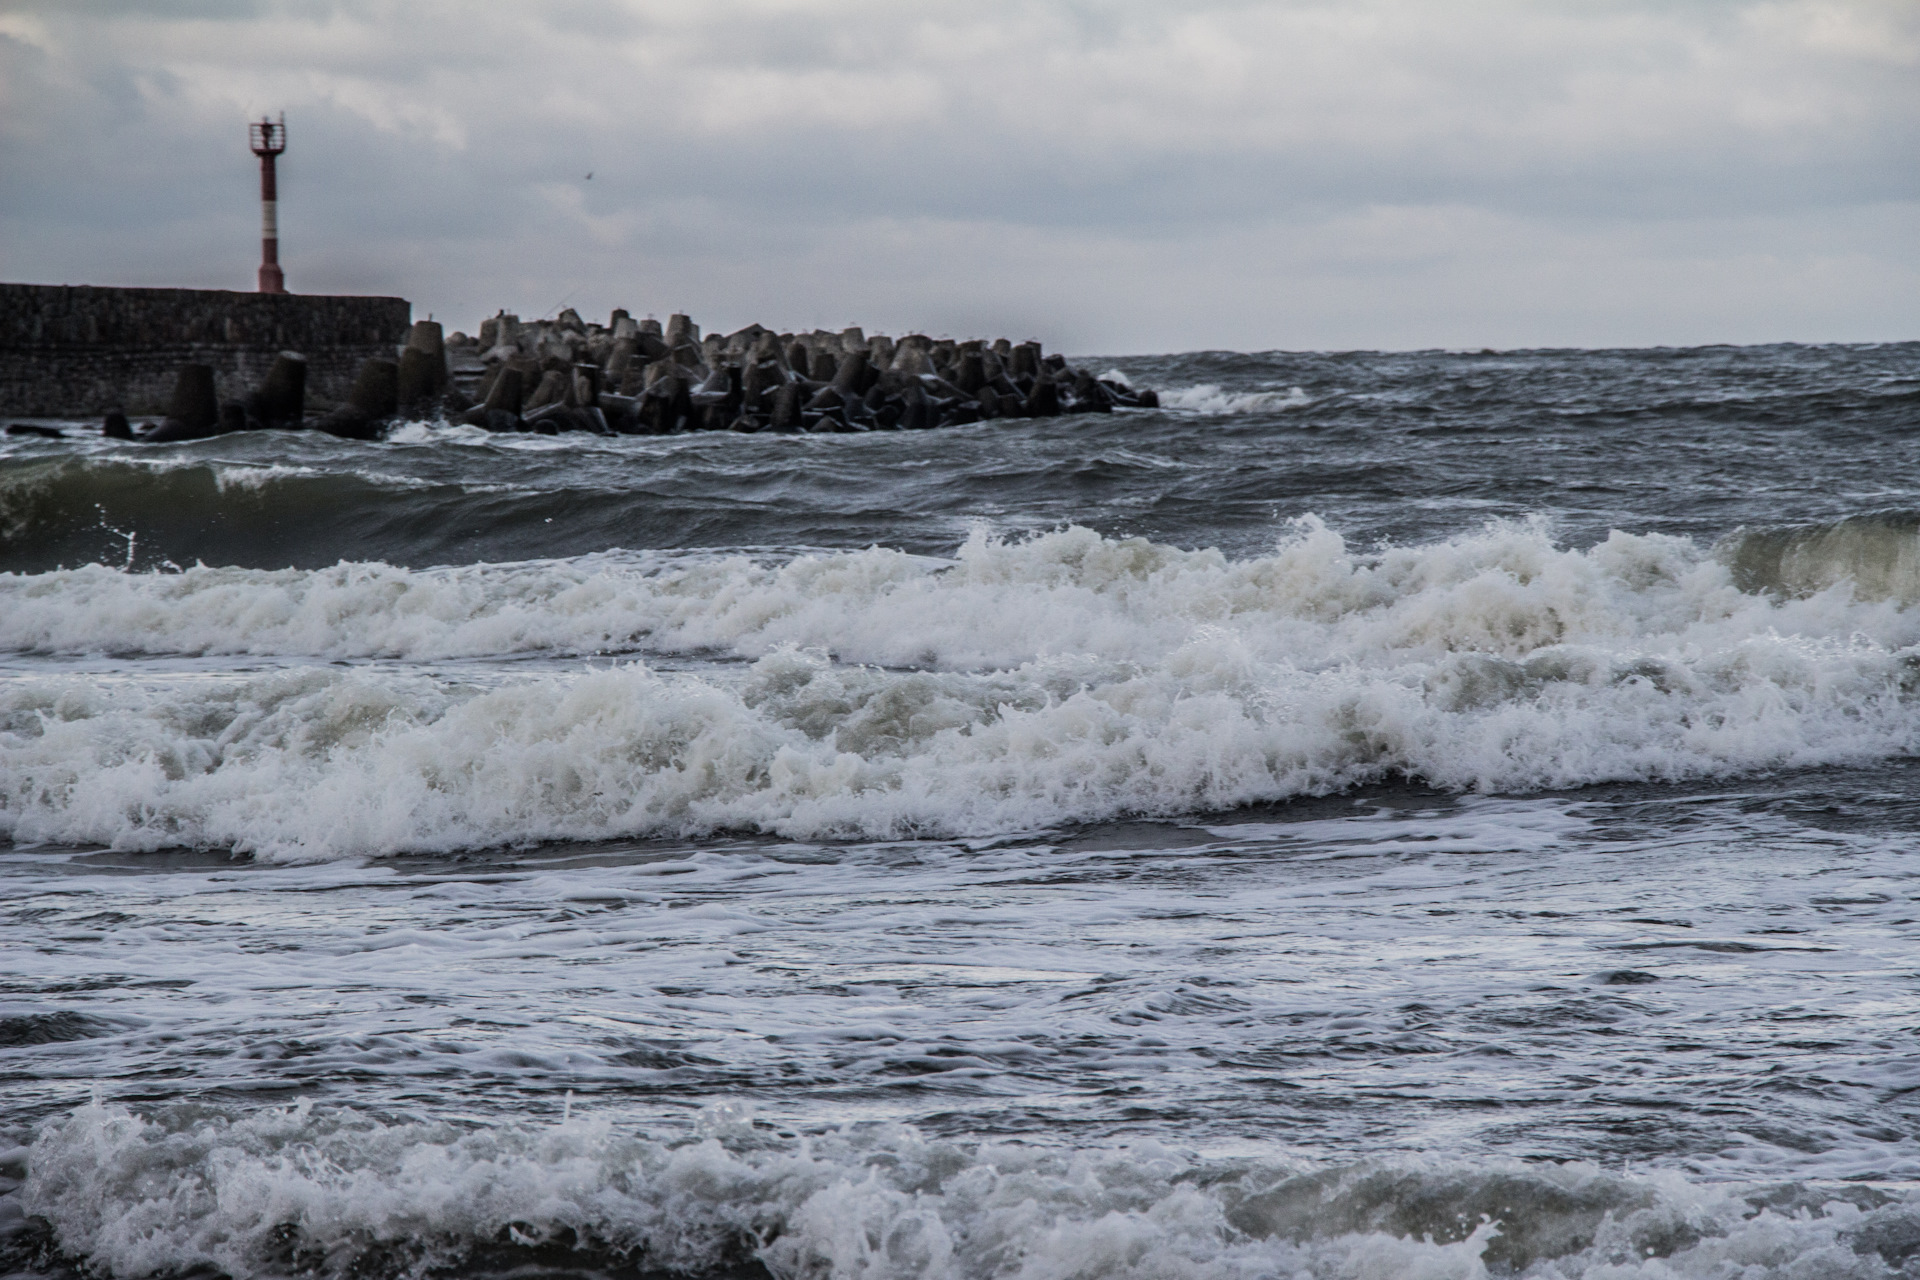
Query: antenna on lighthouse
[[269, 139]]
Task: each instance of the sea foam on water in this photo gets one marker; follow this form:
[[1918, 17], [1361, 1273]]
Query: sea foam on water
[[1025, 683], [331, 1192]]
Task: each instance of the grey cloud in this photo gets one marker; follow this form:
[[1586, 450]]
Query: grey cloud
[[1129, 174]]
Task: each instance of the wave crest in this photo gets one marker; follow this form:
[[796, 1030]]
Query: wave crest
[[1207, 397], [1876, 553], [333, 1193], [1024, 684]]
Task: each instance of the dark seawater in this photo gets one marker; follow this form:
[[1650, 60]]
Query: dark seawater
[[1422, 815]]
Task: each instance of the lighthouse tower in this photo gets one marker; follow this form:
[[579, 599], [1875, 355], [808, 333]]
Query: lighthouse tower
[[269, 139]]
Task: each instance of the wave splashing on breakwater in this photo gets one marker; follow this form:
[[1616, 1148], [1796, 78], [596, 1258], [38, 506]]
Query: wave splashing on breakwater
[[1025, 684]]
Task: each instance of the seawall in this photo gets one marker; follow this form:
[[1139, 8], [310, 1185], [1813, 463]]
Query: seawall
[[79, 350]]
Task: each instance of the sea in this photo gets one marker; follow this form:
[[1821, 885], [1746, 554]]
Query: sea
[[1379, 816]]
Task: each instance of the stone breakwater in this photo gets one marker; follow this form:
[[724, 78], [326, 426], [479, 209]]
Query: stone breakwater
[[80, 350], [640, 377]]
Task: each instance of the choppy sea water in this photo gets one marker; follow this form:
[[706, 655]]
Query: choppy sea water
[[1428, 815]]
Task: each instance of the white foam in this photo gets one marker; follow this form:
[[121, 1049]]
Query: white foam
[[236, 478], [1207, 397], [419, 431], [440, 432], [320, 1190], [1507, 591], [1068, 677]]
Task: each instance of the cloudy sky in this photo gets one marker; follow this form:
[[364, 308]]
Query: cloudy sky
[[1108, 175]]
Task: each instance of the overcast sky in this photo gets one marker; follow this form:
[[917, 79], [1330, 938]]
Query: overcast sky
[[1108, 175]]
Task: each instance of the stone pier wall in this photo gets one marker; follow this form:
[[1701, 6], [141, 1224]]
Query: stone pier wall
[[79, 350]]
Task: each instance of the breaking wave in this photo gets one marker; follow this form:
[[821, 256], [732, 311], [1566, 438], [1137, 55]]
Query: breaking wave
[[334, 1193], [1020, 685], [1876, 554], [168, 511], [1207, 397]]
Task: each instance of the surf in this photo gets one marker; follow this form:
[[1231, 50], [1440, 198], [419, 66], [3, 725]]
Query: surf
[[1020, 684]]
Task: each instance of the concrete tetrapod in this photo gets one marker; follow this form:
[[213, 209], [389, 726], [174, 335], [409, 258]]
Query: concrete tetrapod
[[374, 399], [194, 412], [641, 377], [281, 400]]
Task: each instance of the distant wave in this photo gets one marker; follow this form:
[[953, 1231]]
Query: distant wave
[[1063, 678], [1207, 397]]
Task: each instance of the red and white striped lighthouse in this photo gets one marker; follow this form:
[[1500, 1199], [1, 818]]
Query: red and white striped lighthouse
[[269, 139]]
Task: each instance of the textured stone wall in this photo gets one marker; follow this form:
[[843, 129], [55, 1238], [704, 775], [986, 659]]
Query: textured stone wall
[[78, 350]]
